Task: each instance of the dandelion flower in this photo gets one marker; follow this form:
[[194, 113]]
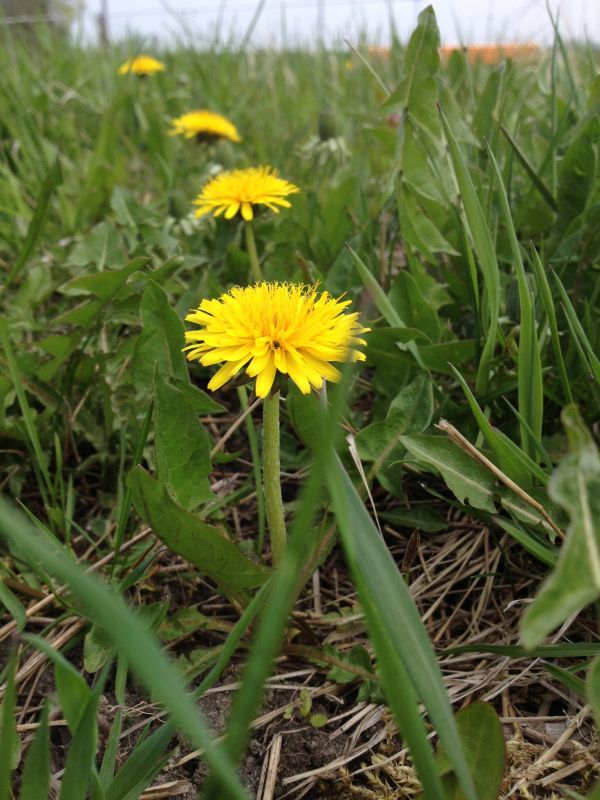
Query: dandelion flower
[[205, 125], [241, 190], [275, 327], [141, 65]]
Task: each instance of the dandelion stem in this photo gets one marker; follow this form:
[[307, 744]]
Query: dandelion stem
[[254, 452], [252, 253], [272, 477]]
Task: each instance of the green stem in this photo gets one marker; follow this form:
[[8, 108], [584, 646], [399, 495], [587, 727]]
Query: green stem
[[272, 477], [252, 253], [254, 452]]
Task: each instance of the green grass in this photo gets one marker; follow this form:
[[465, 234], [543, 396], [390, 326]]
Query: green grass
[[457, 205]]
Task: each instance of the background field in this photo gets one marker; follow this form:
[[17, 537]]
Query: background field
[[457, 204]]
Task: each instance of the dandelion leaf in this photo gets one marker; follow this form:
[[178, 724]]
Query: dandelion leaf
[[575, 581]]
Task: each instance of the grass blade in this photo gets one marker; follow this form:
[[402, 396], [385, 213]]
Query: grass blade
[[535, 178], [484, 247], [401, 648], [9, 741], [35, 780], [531, 391], [36, 226], [589, 357], [46, 486], [548, 302], [129, 635]]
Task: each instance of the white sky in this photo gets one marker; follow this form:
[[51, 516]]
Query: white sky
[[469, 21]]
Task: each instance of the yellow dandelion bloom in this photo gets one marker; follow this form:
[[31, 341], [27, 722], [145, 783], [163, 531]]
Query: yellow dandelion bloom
[[205, 124], [275, 327], [241, 190], [141, 65]]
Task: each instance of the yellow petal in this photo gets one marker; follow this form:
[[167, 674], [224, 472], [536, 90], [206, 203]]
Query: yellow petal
[[232, 210], [222, 376], [247, 212], [265, 380]]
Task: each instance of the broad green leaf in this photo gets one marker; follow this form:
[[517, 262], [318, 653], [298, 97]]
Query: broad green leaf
[[35, 781], [189, 620], [414, 311], [470, 482], [104, 606], [204, 546], [417, 94], [97, 647], [382, 302], [439, 357], [482, 738], [577, 175], [102, 247], [422, 518], [182, 446], [417, 228], [575, 581], [161, 340], [409, 412], [406, 656], [305, 416], [105, 285]]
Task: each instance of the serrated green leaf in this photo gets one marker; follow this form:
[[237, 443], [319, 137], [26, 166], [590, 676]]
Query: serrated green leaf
[[204, 546], [575, 581], [482, 738], [416, 94], [161, 340], [469, 481], [182, 446]]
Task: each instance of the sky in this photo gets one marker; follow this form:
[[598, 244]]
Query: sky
[[301, 21]]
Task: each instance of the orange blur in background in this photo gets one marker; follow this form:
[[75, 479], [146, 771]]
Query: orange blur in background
[[486, 53]]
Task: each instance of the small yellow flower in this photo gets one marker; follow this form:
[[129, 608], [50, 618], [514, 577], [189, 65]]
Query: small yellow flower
[[275, 327], [242, 189], [141, 65], [205, 124], [349, 64]]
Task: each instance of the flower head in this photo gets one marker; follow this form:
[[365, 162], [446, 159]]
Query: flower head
[[275, 327], [205, 124], [141, 65], [241, 190]]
